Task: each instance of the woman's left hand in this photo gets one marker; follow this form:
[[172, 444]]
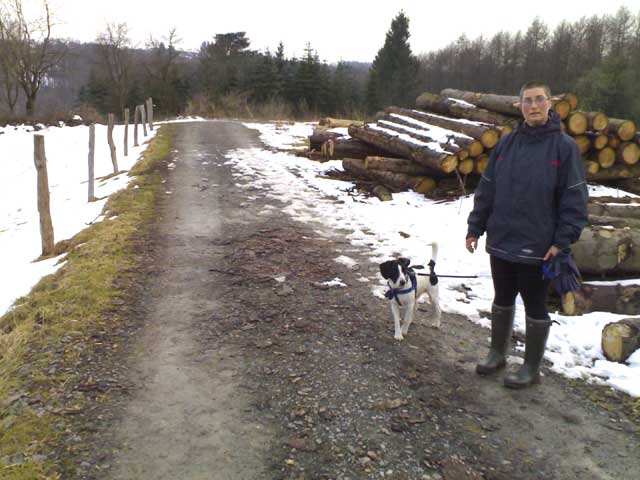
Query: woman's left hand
[[552, 252]]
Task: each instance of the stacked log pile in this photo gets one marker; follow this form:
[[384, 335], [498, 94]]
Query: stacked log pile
[[452, 135]]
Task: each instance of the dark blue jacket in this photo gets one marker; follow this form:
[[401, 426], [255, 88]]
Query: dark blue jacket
[[532, 195]]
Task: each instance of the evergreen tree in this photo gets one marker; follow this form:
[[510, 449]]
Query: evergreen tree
[[393, 75]]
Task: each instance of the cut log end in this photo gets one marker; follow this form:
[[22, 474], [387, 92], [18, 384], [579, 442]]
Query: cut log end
[[599, 141], [625, 129], [598, 121], [606, 157], [569, 304], [563, 108], [591, 167], [481, 164], [475, 148], [490, 138], [577, 123], [584, 143], [465, 167], [449, 163], [620, 339], [628, 153], [425, 185]]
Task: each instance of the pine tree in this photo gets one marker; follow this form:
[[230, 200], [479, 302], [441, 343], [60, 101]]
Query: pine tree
[[393, 75]]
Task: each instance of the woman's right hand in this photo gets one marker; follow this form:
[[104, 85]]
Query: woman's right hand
[[472, 244]]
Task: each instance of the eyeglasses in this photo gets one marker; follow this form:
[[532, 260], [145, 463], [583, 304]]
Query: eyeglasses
[[539, 99]]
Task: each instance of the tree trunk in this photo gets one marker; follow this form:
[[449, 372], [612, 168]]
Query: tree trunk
[[383, 193], [423, 136], [452, 108], [605, 157], [623, 300], [329, 122], [628, 153], [473, 146], [396, 165], [617, 222], [622, 210], [570, 98], [507, 104], [615, 172], [584, 144], [597, 121], [614, 141], [562, 108], [465, 167], [397, 181], [620, 339], [631, 185], [598, 140], [30, 105], [577, 123], [591, 167], [488, 136], [616, 200], [318, 137], [46, 225], [439, 162], [481, 163], [345, 147], [604, 250], [624, 129]]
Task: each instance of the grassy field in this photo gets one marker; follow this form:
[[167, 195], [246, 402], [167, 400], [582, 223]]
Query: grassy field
[[48, 336]]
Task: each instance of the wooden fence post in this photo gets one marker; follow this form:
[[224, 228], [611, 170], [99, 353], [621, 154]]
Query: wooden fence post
[[126, 132], [92, 149], [143, 120], [136, 118], [150, 112], [46, 226], [112, 146]]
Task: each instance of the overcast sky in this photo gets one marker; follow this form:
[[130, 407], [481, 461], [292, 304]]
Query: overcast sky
[[337, 30]]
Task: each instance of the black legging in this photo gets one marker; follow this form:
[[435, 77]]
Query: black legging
[[509, 279]]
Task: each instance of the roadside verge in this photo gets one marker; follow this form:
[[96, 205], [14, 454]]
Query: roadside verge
[[54, 340]]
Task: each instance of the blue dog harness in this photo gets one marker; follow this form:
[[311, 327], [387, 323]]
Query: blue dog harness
[[393, 293]]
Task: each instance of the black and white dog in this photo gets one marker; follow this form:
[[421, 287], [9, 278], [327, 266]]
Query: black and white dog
[[405, 289]]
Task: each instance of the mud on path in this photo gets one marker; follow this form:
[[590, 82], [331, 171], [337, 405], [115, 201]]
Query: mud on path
[[238, 374]]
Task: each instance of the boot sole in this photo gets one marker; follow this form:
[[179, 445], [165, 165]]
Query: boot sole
[[482, 370], [519, 386]]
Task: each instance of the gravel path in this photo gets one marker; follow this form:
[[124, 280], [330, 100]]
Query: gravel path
[[239, 375]]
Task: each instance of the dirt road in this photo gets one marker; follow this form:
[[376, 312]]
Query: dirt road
[[247, 367]]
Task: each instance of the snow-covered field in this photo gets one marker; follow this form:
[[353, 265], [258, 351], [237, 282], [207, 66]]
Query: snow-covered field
[[404, 225], [67, 151]]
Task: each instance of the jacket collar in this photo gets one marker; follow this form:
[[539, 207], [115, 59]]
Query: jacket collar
[[552, 125]]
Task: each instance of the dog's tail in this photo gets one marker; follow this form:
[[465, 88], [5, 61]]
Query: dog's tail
[[434, 251]]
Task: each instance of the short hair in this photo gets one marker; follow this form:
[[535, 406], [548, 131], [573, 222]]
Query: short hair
[[535, 84]]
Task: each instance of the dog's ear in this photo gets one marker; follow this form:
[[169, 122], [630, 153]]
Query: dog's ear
[[385, 269], [404, 261]]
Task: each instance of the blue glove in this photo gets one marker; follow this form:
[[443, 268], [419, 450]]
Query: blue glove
[[563, 272]]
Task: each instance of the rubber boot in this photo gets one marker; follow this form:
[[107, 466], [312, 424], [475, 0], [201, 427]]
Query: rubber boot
[[501, 325], [535, 343]]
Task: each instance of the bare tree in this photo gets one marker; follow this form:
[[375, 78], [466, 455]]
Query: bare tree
[[162, 71], [114, 50], [9, 83], [28, 52]]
